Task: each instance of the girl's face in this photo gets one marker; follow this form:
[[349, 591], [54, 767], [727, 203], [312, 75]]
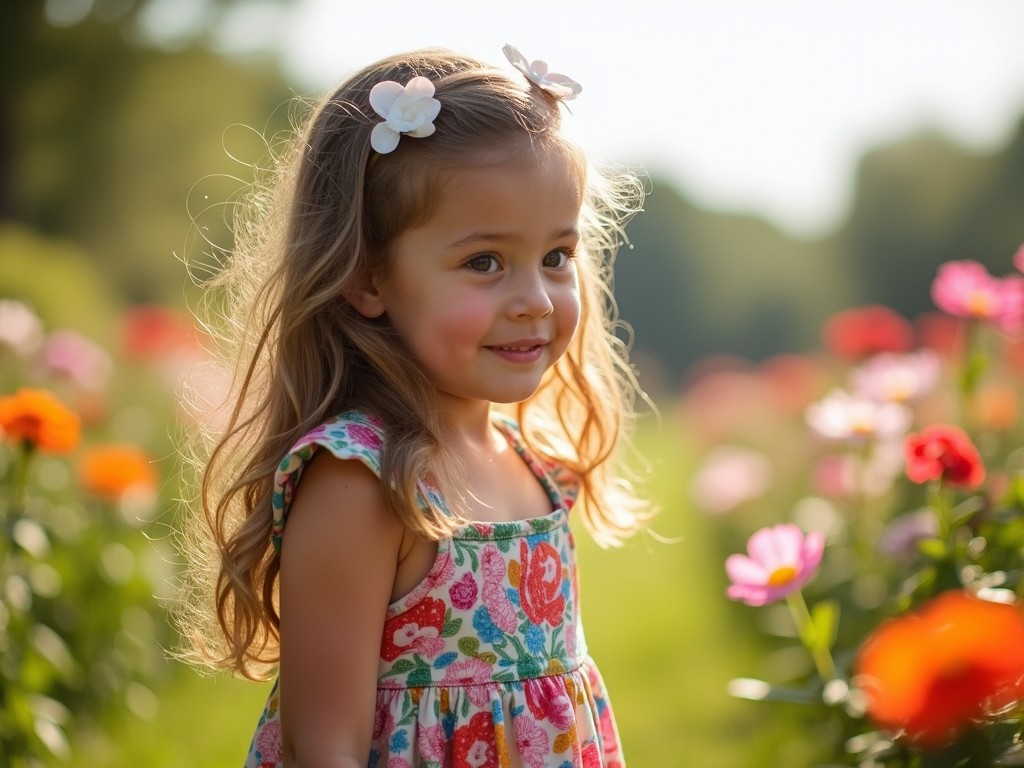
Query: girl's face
[[486, 292]]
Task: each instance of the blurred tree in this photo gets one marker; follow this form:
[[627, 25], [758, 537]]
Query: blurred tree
[[103, 133]]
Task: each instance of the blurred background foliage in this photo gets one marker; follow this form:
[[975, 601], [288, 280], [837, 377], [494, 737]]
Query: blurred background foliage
[[122, 149]]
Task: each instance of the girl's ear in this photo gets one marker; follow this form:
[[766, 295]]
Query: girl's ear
[[365, 296]]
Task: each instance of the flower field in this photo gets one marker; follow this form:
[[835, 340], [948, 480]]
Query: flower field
[[833, 579]]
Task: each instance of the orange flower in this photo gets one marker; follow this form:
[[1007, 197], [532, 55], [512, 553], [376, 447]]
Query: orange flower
[[111, 470], [36, 417], [931, 673]]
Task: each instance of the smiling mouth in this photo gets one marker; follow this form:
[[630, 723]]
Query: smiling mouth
[[529, 348]]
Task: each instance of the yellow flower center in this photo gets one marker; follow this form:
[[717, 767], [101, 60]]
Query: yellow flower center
[[782, 576], [980, 304]]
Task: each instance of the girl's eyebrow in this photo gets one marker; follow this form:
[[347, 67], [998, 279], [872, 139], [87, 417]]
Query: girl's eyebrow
[[496, 237]]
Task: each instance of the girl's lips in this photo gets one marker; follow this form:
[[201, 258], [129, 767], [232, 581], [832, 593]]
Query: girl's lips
[[525, 351]]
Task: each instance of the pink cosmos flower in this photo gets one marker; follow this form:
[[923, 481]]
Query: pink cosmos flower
[[966, 289], [893, 378], [779, 560], [845, 417], [532, 742]]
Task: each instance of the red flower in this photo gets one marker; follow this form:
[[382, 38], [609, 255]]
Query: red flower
[[934, 672], [474, 743], [540, 585], [943, 452], [153, 332], [863, 331], [416, 628]]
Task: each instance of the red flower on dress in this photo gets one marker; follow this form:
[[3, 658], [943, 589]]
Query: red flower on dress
[[591, 756], [935, 672], [540, 585], [474, 743], [943, 452], [864, 331], [419, 629]]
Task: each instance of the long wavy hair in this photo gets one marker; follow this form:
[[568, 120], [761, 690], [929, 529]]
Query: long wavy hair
[[318, 226]]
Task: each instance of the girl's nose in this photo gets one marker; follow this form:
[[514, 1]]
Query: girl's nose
[[531, 298]]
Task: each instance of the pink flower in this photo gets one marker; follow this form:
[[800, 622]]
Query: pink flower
[[472, 674], [268, 742], [548, 699], [432, 743], [841, 416], [966, 289], [1018, 258], [894, 378], [463, 592], [495, 598], [532, 742], [70, 354], [730, 476], [364, 436], [779, 560]]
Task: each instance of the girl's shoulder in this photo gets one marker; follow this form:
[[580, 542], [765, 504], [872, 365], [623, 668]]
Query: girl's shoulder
[[353, 435]]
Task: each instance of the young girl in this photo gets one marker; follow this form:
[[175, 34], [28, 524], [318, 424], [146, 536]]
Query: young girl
[[429, 383]]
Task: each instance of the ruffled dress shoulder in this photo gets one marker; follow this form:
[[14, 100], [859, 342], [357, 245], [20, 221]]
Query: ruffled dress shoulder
[[484, 663]]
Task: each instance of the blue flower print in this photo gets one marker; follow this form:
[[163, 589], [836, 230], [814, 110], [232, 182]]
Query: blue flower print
[[534, 639], [484, 626]]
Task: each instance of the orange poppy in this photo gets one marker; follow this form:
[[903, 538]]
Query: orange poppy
[[111, 470], [36, 417], [932, 673]]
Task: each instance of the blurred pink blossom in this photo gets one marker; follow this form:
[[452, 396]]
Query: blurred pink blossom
[[730, 476], [848, 418], [1018, 258], [86, 363], [966, 289], [848, 475], [779, 561], [895, 378], [20, 327]]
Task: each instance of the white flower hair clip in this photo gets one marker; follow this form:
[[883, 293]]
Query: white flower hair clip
[[408, 109], [560, 86]]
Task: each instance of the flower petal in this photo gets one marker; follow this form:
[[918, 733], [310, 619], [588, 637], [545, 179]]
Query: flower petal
[[384, 95], [515, 58], [419, 87], [744, 571], [383, 139]]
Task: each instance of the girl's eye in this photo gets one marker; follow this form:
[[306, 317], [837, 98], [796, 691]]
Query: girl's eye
[[483, 263], [558, 259]]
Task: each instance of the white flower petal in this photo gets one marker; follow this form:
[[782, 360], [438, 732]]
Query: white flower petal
[[515, 58], [383, 139], [423, 131], [419, 86], [384, 95]]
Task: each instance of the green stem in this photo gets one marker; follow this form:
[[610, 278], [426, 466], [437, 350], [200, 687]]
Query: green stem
[[807, 632]]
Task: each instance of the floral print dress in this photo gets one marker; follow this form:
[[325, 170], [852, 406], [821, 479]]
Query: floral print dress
[[484, 663]]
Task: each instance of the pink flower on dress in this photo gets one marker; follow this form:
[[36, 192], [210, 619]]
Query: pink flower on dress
[[268, 742], [966, 289], [591, 756], [548, 699], [472, 674], [500, 608], [532, 741], [779, 561], [364, 436], [464, 592], [432, 744], [398, 762]]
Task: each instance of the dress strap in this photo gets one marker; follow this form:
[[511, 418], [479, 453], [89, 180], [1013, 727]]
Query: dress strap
[[562, 484], [352, 435]]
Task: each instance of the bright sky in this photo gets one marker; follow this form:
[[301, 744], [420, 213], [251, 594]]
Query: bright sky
[[753, 105]]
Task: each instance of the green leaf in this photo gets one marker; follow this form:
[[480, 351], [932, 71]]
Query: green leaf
[[451, 628], [936, 549], [469, 646]]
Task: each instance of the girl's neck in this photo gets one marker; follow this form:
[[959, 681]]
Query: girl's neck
[[469, 430]]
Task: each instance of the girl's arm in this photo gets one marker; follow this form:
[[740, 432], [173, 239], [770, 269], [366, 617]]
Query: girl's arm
[[338, 560]]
